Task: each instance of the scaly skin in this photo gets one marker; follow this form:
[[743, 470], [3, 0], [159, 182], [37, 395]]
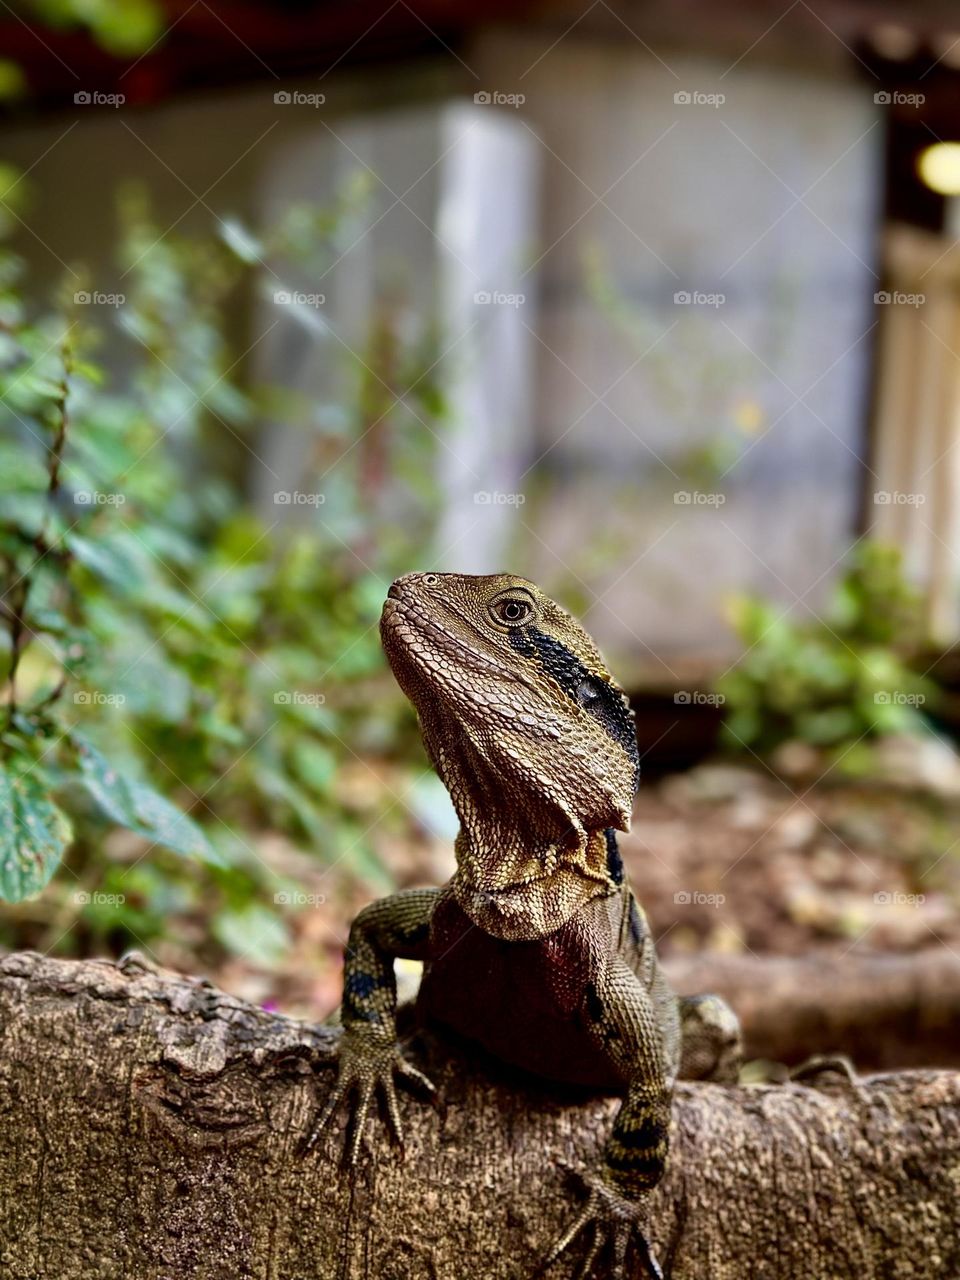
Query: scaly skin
[[536, 949]]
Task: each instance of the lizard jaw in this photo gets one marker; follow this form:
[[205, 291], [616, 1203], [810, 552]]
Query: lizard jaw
[[524, 911]]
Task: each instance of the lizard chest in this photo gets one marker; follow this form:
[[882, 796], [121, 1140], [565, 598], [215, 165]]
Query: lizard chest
[[528, 1003]]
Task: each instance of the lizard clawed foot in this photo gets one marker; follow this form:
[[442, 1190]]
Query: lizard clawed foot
[[368, 1064], [609, 1221]]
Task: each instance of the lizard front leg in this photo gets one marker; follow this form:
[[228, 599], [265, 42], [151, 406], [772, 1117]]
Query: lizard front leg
[[623, 1020], [368, 1054]]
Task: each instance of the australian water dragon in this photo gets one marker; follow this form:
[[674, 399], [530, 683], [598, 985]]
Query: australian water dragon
[[536, 948]]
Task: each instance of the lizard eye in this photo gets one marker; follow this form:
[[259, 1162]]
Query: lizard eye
[[587, 692], [431, 579], [512, 611]]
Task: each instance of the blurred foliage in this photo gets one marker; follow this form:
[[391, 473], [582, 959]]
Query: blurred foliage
[[836, 680], [174, 662], [121, 27]]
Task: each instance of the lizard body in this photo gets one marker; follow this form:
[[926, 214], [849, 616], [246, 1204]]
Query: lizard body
[[536, 949], [537, 1004]]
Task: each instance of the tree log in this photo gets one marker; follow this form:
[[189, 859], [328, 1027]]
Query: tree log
[[884, 1011], [152, 1124]]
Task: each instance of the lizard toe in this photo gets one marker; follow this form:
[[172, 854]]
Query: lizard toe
[[611, 1223], [335, 1097], [650, 1263], [366, 1086], [586, 1267], [389, 1092], [411, 1076]]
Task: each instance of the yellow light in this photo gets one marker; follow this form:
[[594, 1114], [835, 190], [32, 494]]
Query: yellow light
[[748, 415], [939, 167]]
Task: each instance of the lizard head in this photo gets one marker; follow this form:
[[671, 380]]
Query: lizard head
[[530, 734]]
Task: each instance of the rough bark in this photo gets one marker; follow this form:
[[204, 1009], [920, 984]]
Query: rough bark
[[151, 1128], [883, 1010]]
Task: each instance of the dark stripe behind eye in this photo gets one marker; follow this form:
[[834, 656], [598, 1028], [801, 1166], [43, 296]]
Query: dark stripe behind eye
[[608, 708], [614, 861]]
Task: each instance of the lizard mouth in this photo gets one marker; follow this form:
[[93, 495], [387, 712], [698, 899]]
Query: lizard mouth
[[403, 617]]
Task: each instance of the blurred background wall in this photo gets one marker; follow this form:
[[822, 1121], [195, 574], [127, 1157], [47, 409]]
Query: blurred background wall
[[654, 272]]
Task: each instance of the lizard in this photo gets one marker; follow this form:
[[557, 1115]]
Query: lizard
[[537, 948]]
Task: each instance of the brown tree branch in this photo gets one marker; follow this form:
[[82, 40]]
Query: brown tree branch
[[887, 1010], [151, 1127]]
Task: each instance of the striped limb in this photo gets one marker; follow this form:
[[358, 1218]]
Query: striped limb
[[614, 1217], [368, 1058]]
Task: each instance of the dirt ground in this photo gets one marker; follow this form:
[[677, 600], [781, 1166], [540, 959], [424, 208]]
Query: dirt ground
[[732, 859]]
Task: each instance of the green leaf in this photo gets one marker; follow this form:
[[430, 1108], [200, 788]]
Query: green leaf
[[278, 786], [241, 240], [253, 931], [21, 469], [134, 805], [102, 559], [315, 765], [33, 835]]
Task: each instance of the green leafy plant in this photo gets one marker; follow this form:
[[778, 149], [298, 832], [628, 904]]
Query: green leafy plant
[[123, 29], [41, 753], [175, 662], [835, 681]]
